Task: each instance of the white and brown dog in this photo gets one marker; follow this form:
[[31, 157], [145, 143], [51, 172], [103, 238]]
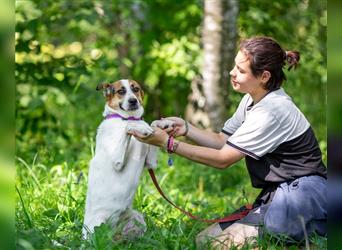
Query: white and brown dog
[[119, 160]]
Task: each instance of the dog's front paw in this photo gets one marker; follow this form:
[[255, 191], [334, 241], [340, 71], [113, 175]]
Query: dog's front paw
[[118, 165], [141, 127], [151, 161], [163, 124]]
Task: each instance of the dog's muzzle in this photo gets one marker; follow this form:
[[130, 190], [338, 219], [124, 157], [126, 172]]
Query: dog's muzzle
[[133, 104]]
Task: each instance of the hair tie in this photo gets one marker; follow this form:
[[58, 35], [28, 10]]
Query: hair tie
[[289, 59]]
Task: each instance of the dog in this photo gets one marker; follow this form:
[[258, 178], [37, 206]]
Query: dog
[[119, 160]]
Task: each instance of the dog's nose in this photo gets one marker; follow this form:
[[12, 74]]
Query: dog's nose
[[132, 101]]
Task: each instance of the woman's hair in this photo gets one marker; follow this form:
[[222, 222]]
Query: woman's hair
[[266, 54]]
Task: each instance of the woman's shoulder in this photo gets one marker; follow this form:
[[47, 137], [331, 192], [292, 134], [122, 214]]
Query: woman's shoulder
[[277, 104], [277, 99], [281, 106]]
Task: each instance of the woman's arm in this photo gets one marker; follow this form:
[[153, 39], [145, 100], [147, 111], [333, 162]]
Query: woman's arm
[[218, 158], [200, 136], [206, 138]]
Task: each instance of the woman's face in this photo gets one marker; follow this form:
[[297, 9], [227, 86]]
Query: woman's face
[[242, 79]]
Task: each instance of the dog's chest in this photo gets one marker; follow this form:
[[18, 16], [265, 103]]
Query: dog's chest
[[136, 150], [112, 140]]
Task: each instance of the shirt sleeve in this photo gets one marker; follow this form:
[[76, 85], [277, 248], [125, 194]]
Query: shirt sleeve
[[233, 123], [259, 134]]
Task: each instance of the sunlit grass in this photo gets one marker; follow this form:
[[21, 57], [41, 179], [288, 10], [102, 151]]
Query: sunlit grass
[[50, 205]]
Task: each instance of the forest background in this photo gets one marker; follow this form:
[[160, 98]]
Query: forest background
[[64, 49]]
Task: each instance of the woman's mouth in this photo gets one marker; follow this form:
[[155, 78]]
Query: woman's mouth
[[234, 83]]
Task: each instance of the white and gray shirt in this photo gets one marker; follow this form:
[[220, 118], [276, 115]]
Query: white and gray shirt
[[277, 139]]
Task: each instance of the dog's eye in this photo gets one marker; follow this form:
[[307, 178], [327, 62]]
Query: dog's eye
[[135, 89], [121, 91]]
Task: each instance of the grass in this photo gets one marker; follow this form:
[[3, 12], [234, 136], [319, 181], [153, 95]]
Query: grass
[[50, 203]]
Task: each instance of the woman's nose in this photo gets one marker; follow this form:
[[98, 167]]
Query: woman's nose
[[232, 72]]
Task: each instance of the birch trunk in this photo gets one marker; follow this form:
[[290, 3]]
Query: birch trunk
[[219, 47]]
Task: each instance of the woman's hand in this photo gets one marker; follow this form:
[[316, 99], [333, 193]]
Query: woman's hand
[[158, 138], [179, 128]]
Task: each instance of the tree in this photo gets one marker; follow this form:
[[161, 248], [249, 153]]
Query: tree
[[208, 101]]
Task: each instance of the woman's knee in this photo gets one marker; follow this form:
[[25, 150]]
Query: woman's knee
[[237, 235], [205, 236]]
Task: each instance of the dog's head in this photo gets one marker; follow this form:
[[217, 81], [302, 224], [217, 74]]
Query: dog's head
[[123, 95]]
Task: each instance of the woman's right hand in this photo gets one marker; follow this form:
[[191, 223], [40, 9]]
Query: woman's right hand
[[179, 127]]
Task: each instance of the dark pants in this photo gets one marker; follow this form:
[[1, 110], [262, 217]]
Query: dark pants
[[297, 208]]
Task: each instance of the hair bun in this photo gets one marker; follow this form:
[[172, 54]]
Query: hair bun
[[292, 58]]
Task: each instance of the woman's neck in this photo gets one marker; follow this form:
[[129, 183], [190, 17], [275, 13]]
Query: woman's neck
[[257, 97]]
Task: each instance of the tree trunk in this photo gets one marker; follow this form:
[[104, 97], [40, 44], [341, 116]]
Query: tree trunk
[[219, 43]]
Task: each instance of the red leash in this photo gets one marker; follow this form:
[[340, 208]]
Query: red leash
[[232, 217]]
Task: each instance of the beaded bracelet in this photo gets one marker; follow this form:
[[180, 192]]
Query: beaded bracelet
[[169, 147]]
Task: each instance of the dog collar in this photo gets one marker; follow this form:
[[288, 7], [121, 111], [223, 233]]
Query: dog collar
[[130, 118]]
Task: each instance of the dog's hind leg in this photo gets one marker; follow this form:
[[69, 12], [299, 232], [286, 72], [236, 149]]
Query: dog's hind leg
[[135, 226]]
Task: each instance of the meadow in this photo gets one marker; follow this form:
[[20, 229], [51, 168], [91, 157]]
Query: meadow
[[51, 199]]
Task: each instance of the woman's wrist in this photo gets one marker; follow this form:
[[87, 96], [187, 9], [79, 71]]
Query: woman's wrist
[[186, 124], [165, 144]]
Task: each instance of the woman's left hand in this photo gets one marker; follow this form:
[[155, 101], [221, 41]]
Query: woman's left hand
[[158, 138]]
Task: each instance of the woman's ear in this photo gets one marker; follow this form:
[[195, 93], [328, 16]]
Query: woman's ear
[[266, 75]]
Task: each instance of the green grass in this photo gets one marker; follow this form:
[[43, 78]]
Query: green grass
[[50, 205]]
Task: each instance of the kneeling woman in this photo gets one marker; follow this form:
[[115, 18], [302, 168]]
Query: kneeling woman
[[268, 130]]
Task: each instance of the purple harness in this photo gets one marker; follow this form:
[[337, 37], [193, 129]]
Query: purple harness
[[130, 118]]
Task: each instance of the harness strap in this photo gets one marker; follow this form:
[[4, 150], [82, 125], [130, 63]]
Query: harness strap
[[232, 217], [130, 118]]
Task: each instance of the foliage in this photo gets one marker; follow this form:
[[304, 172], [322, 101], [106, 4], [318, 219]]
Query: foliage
[[65, 48], [56, 74]]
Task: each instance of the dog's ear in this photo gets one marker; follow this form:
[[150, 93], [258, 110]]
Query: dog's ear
[[101, 86], [107, 89]]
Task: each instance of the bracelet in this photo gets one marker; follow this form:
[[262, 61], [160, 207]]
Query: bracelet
[[169, 146], [186, 128], [175, 146], [172, 145]]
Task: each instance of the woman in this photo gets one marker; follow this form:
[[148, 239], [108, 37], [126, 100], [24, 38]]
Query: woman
[[281, 152]]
